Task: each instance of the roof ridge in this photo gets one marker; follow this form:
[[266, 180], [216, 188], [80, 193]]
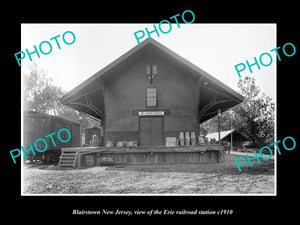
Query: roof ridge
[[162, 47]]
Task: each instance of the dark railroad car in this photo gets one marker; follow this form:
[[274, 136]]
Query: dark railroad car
[[38, 125]]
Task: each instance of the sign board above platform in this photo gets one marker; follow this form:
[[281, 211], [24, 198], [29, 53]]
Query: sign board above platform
[[152, 113]]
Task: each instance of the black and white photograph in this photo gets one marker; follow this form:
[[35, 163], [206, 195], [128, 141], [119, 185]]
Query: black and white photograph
[[150, 112], [162, 116]]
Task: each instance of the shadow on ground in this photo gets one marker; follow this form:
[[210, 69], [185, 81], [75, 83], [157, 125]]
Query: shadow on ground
[[227, 167]]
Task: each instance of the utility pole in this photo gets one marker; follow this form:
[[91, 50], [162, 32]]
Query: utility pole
[[232, 115], [219, 115]]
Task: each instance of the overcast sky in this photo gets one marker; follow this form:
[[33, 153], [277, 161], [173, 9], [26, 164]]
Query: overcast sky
[[215, 48]]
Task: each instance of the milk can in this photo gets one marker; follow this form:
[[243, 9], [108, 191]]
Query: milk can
[[181, 139], [187, 138]]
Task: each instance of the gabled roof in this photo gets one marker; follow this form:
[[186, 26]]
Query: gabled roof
[[223, 134], [147, 42], [79, 97], [215, 135]]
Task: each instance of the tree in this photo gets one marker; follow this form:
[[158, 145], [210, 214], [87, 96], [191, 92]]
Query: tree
[[254, 117], [42, 96], [211, 125], [38, 93]]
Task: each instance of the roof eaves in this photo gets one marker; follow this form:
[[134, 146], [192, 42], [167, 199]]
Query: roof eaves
[[199, 70], [66, 97], [97, 75]]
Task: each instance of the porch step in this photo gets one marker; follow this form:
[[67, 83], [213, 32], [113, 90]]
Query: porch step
[[67, 159]]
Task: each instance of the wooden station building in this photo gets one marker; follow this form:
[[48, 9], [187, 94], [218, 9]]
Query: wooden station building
[[148, 94]]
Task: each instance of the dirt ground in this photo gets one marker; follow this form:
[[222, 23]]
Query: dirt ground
[[221, 178]]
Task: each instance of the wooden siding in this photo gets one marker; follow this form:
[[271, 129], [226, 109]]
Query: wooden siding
[[126, 92]]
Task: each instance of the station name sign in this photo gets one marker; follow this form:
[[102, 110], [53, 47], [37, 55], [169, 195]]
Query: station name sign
[[152, 113]]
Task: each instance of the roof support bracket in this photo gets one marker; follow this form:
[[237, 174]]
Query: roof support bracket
[[211, 104], [89, 104]]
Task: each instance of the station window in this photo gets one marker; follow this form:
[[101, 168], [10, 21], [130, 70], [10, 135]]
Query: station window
[[151, 97]]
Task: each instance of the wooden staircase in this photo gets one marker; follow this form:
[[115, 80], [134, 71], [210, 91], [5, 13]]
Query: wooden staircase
[[67, 158]]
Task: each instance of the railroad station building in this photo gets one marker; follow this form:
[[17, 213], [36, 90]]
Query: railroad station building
[[147, 99], [151, 93]]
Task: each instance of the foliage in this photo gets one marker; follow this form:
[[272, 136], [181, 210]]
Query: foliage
[[42, 96], [254, 117]]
